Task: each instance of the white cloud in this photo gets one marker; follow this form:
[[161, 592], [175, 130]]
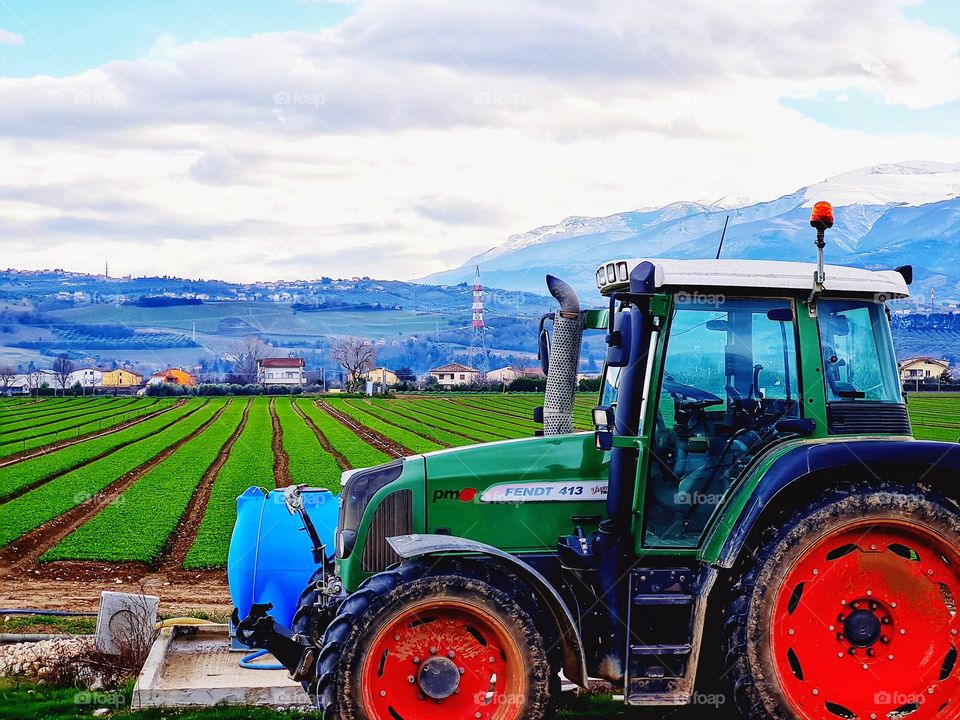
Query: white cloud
[[416, 131], [8, 37]]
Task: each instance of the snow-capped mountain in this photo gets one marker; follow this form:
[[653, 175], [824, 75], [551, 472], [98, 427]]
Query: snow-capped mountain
[[886, 215]]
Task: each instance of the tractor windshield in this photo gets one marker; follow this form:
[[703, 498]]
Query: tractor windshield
[[858, 358]]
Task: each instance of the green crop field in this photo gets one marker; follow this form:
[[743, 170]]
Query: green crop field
[[126, 479]]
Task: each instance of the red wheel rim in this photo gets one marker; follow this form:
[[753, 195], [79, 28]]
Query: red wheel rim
[[865, 625], [408, 672]]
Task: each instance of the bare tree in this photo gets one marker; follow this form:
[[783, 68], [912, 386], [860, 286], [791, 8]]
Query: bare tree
[[356, 356], [245, 356], [62, 367], [7, 375], [34, 380]]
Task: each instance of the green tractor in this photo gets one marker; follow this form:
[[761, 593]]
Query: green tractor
[[751, 517]]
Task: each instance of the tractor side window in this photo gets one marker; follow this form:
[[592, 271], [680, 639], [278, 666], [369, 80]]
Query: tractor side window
[[858, 360], [729, 376]]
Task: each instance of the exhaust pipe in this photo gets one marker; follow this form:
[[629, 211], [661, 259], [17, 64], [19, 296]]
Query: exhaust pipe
[[564, 360]]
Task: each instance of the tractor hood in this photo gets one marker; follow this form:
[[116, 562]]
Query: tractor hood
[[516, 494]]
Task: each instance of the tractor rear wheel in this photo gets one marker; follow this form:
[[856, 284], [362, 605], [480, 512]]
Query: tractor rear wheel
[[440, 646], [849, 610]]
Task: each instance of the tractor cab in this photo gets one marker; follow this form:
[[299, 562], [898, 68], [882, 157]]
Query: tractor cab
[[734, 357]]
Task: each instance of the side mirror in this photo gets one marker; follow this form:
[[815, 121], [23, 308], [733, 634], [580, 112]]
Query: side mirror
[[618, 340]]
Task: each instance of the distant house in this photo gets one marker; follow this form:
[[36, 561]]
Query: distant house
[[454, 374], [280, 371], [25, 383], [121, 379], [87, 378], [382, 376], [172, 376], [922, 368], [510, 373]]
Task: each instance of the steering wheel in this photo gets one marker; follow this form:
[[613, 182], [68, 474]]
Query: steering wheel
[[691, 393]]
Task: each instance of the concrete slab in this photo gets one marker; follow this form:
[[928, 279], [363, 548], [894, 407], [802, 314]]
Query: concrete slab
[[192, 666]]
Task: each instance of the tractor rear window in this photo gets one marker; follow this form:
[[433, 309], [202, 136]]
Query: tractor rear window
[[858, 359]]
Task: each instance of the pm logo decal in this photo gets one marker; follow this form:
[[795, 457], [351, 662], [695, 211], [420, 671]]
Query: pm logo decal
[[463, 495]]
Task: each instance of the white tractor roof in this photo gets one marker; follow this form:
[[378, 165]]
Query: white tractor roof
[[753, 274]]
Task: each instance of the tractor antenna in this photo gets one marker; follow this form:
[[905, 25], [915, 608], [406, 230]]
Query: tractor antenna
[[722, 236]]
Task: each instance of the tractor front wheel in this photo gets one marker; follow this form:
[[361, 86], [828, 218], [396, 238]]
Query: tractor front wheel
[[440, 646], [849, 610]]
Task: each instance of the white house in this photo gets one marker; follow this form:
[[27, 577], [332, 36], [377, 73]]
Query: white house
[[88, 378], [454, 374], [280, 371], [509, 374], [25, 383]]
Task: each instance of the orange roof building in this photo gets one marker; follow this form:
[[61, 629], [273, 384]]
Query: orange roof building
[[172, 376]]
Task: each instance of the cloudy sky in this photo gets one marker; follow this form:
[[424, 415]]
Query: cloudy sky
[[298, 138]]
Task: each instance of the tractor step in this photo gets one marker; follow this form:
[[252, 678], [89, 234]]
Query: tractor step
[[665, 599], [667, 607], [660, 649]]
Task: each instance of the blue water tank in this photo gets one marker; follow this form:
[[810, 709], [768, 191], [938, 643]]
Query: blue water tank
[[271, 557]]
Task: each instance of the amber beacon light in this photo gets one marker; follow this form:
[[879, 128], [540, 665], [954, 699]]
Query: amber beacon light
[[822, 216]]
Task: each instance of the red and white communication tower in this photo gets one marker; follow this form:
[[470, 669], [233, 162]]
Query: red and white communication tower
[[478, 345]]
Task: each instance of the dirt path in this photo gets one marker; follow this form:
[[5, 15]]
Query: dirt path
[[182, 538], [324, 443], [371, 437], [43, 481], [281, 461], [180, 593], [27, 455], [25, 551]]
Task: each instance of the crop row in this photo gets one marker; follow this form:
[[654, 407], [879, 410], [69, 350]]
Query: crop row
[[10, 409], [58, 412], [250, 463], [28, 429], [34, 470], [52, 499], [433, 414], [410, 440], [384, 410], [89, 426], [354, 450], [137, 525], [309, 464]]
